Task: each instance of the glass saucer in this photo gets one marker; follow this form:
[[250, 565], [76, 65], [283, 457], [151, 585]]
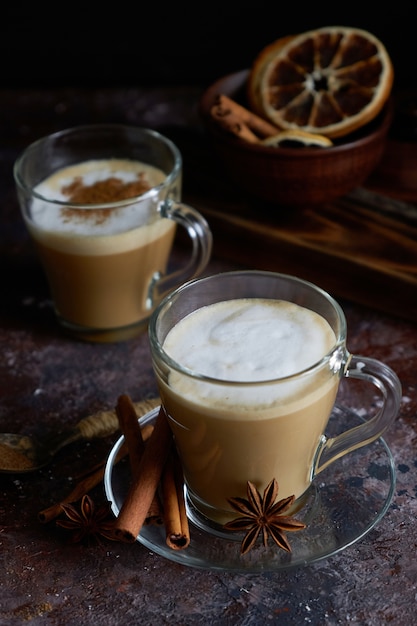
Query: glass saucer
[[343, 504]]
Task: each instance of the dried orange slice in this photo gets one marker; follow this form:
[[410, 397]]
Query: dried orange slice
[[331, 80], [297, 139]]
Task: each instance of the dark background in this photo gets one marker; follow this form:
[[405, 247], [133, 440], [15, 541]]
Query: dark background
[[133, 44]]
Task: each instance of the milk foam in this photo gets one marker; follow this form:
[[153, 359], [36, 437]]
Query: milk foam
[[94, 171], [80, 233], [248, 340]]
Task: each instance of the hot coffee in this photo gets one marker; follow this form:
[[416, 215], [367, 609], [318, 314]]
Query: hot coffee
[[250, 431], [102, 203], [100, 261], [248, 365]]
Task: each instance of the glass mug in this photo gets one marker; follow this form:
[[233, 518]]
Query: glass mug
[[248, 366], [101, 203]]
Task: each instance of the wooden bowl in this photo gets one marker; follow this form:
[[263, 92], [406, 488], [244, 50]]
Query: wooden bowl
[[289, 176]]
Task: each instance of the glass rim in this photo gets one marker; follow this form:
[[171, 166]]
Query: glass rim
[[153, 192], [158, 351]]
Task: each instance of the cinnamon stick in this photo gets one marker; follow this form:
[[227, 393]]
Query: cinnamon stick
[[175, 515], [135, 440], [129, 425], [142, 490], [96, 474], [232, 123], [240, 120]]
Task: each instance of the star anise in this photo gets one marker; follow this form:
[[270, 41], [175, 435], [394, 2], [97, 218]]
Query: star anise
[[263, 514], [87, 521]]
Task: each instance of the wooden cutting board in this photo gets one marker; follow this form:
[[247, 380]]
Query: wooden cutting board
[[362, 248]]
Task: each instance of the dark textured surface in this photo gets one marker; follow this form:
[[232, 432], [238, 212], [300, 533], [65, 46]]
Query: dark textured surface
[[48, 380]]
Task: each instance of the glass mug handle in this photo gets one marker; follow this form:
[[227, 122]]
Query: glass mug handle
[[202, 242], [385, 379]]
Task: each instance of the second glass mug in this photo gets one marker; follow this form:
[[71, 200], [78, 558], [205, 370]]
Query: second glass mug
[[229, 431], [106, 261]]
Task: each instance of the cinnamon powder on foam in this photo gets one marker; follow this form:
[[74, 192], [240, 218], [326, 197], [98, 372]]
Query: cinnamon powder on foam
[[105, 191]]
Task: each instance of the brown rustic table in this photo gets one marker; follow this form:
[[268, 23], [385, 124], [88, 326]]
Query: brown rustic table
[[48, 380]]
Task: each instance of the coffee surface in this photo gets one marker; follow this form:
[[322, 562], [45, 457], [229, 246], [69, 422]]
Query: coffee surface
[[250, 340], [90, 183], [66, 183]]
